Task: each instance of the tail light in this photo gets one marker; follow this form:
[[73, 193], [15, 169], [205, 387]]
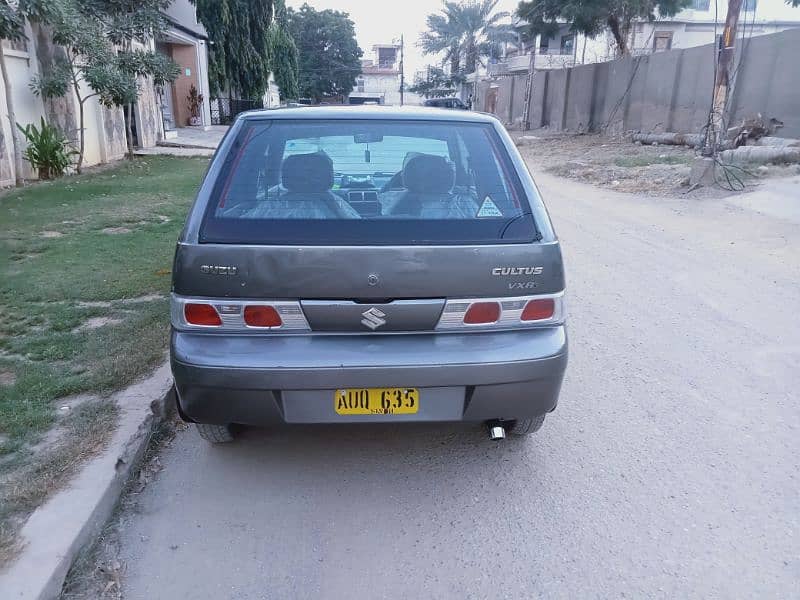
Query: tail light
[[502, 313], [203, 315], [261, 316], [482, 313], [238, 315], [539, 309]]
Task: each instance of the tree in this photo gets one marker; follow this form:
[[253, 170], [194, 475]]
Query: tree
[[590, 17], [11, 28], [442, 37], [328, 54], [283, 53], [125, 22], [437, 84], [466, 32], [99, 37], [239, 58]]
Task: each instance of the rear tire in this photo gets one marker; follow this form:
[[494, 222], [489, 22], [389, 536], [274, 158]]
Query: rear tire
[[526, 426], [215, 434]]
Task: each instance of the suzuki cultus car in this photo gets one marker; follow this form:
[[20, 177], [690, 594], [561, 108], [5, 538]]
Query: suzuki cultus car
[[367, 265]]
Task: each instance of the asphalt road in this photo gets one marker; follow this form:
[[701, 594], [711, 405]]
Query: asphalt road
[[670, 468]]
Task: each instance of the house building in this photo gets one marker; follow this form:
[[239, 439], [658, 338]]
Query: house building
[[697, 25], [379, 80], [155, 112], [185, 42]]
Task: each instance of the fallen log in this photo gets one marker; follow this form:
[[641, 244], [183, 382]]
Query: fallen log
[[693, 140], [760, 155], [777, 142]]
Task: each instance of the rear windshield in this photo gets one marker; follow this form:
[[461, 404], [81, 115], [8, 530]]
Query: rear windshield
[[310, 182]]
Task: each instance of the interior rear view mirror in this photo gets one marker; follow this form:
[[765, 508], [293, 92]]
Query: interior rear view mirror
[[367, 138]]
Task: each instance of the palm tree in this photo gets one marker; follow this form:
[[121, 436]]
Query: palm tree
[[442, 37], [466, 32]]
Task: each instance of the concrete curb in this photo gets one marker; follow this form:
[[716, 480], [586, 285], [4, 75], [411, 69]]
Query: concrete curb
[[74, 517], [189, 145]]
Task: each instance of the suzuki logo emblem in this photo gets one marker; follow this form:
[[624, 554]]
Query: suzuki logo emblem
[[373, 318]]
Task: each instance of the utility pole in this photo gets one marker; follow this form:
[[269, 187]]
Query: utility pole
[[402, 71], [526, 109], [725, 57]]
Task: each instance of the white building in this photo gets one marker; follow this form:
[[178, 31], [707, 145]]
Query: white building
[[104, 128], [379, 81], [694, 26], [185, 42]]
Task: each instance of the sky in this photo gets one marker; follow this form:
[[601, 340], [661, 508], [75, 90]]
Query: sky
[[381, 21]]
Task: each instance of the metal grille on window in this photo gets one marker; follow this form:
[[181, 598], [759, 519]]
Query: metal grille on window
[[225, 110]]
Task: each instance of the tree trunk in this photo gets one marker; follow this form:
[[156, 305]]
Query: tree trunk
[[526, 110], [718, 117], [455, 62], [81, 129], [471, 58], [620, 35], [12, 117], [693, 140], [129, 129], [759, 155], [129, 112]]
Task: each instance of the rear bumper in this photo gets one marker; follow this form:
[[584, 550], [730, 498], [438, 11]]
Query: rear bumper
[[261, 380]]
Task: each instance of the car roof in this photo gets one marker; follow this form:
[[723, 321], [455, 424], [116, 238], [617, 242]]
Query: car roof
[[378, 113]]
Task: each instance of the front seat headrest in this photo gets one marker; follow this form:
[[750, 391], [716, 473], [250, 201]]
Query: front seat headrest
[[428, 174], [307, 173]]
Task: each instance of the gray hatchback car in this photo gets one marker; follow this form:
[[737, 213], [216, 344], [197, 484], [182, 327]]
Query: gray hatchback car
[[365, 265]]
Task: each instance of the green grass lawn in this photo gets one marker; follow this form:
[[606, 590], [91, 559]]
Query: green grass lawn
[[84, 280]]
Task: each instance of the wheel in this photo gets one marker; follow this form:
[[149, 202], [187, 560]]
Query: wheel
[[216, 434], [526, 426]]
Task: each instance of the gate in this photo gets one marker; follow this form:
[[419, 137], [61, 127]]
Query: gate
[[224, 110]]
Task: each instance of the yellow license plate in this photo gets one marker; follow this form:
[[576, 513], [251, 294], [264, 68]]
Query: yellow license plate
[[376, 401]]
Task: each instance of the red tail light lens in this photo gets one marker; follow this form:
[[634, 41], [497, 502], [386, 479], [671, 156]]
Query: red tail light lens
[[482, 313], [262, 316], [201, 314], [539, 310]]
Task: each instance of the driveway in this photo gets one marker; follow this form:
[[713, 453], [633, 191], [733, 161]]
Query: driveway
[[670, 468]]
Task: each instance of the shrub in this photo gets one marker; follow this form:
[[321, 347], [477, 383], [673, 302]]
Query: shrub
[[48, 149]]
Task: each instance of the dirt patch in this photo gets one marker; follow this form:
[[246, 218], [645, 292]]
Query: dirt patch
[[50, 234], [97, 322], [145, 298], [115, 230], [619, 164], [7, 377], [95, 304], [80, 433], [10, 544]]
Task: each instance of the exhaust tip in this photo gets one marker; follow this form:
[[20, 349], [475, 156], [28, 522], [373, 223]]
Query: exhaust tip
[[497, 433]]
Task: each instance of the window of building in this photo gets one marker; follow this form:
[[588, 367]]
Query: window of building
[[359, 84], [750, 5], [662, 40], [387, 57], [701, 4], [20, 45], [544, 45], [568, 44]]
